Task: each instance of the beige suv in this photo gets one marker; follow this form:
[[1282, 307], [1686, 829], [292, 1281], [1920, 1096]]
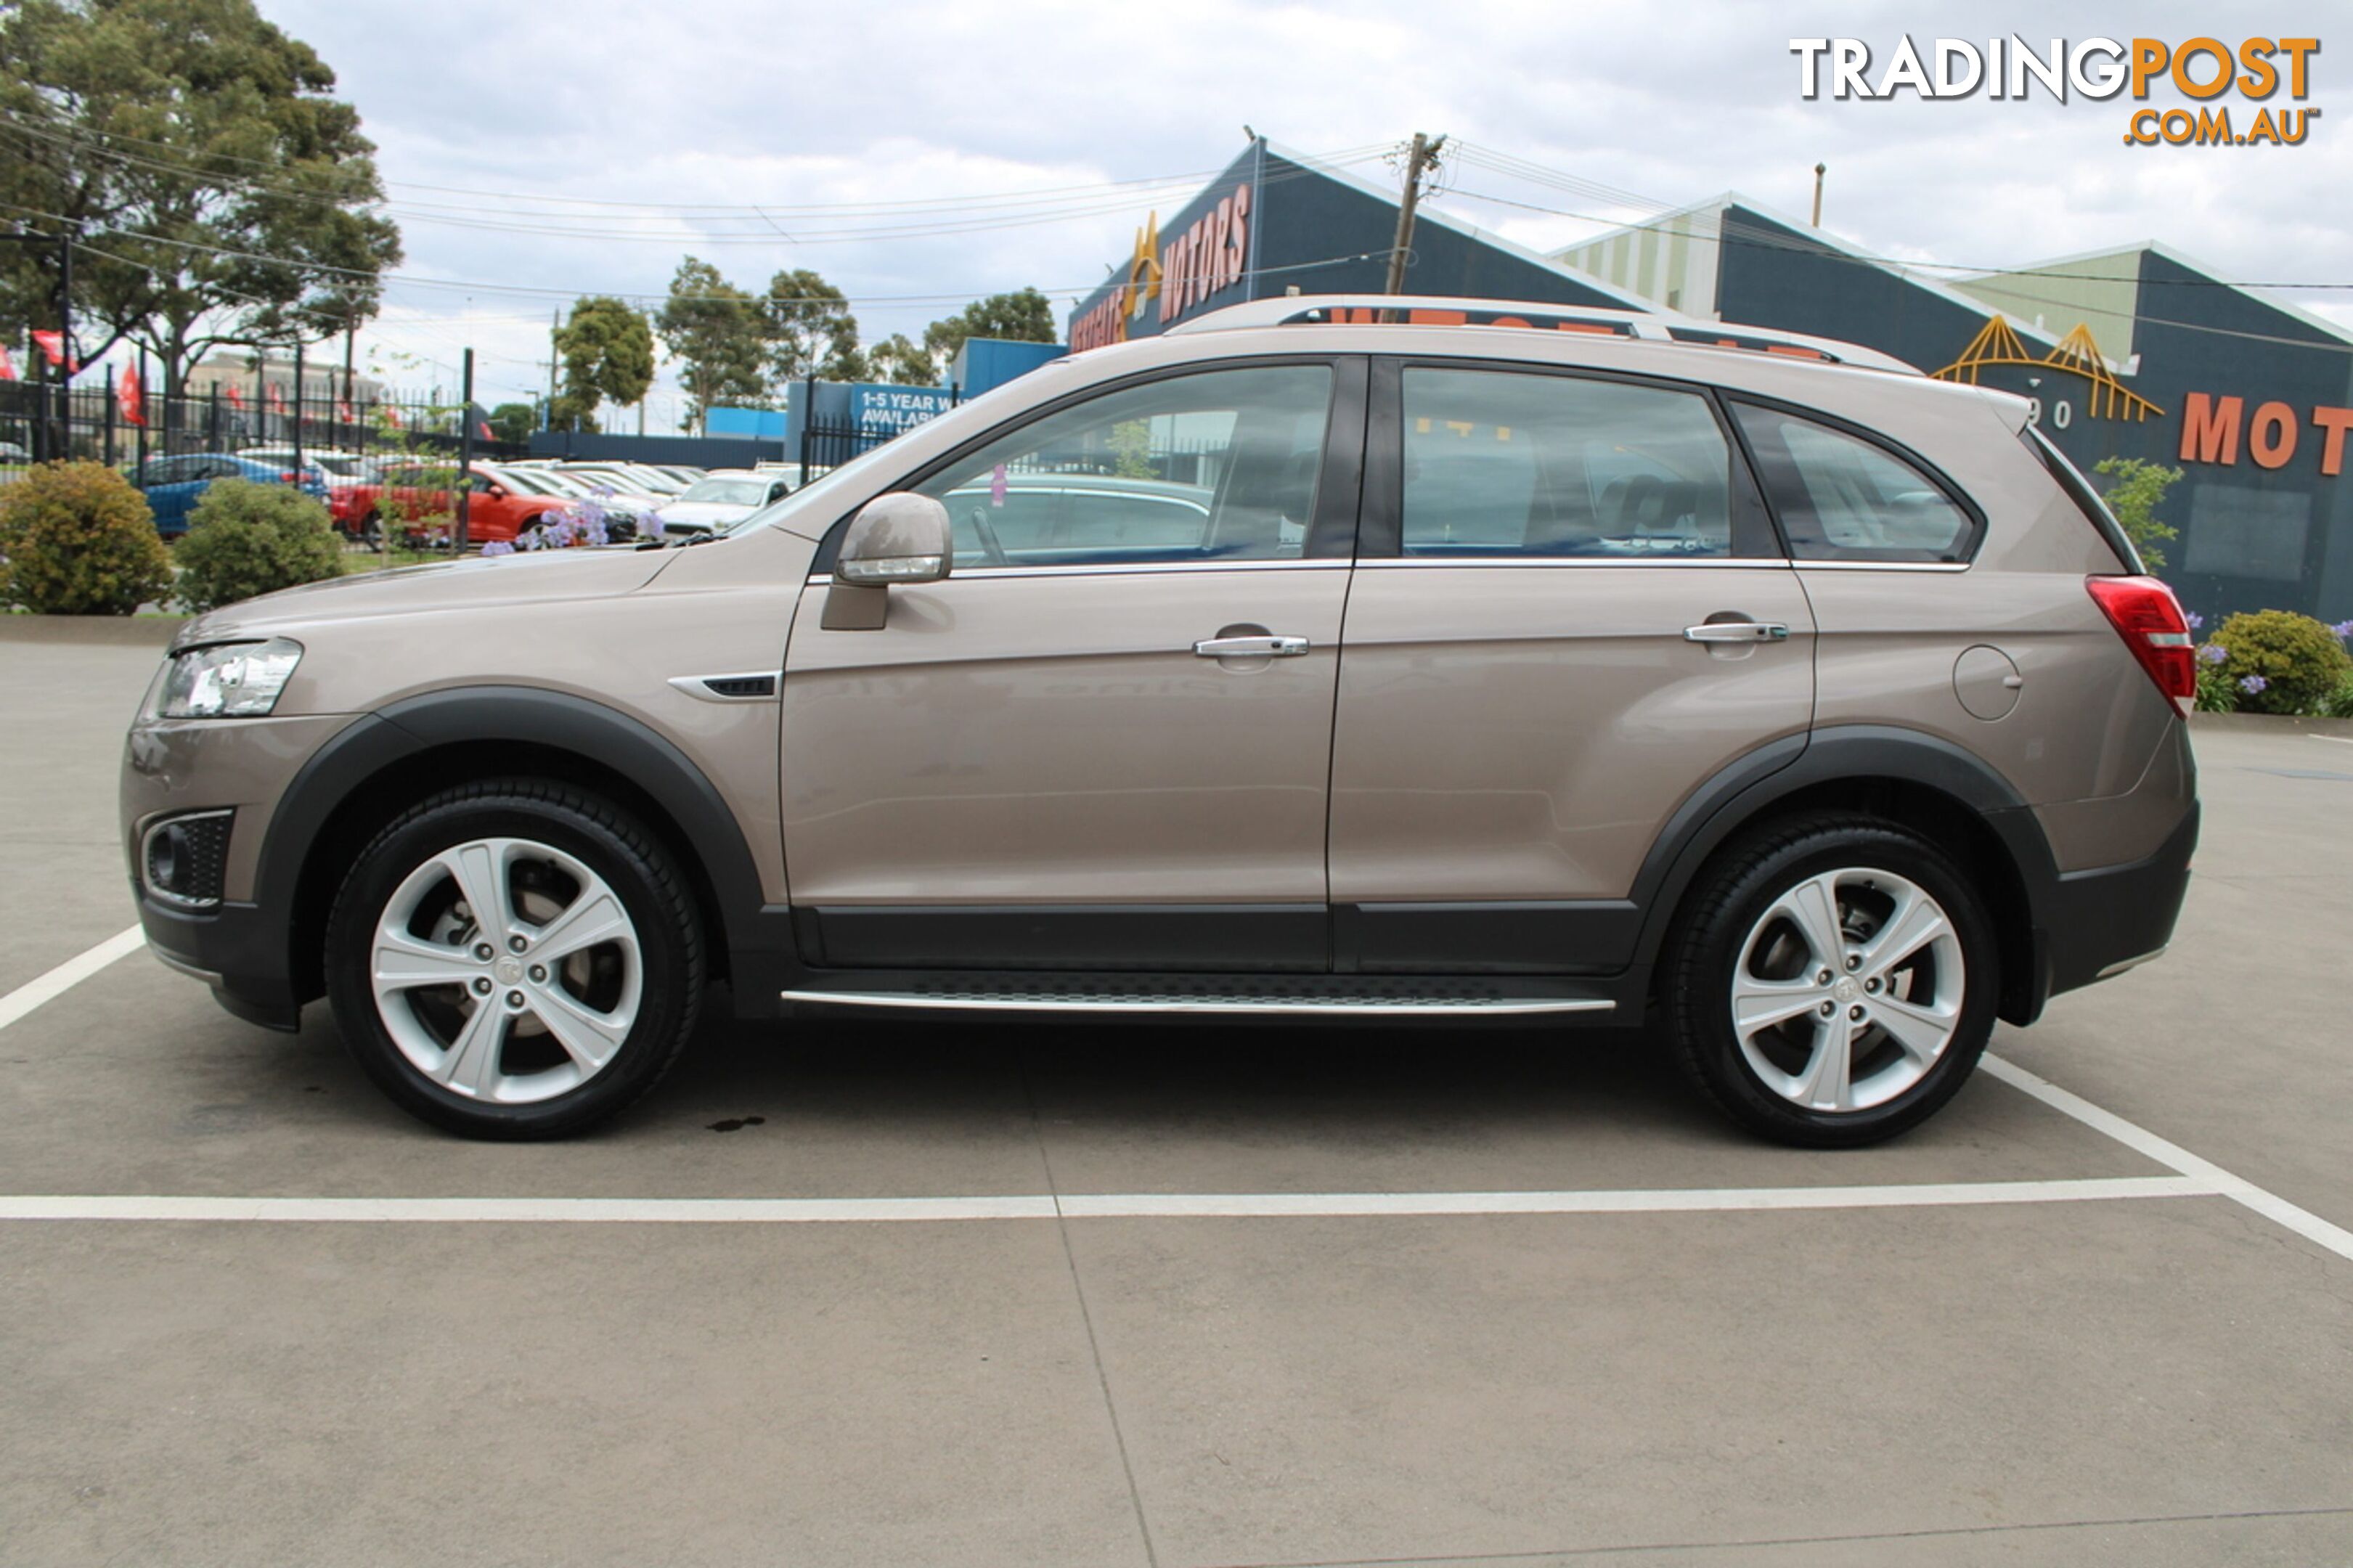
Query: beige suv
[[1501, 663]]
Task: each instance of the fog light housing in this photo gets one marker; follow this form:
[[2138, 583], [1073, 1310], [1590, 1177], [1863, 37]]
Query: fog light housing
[[182, 860]]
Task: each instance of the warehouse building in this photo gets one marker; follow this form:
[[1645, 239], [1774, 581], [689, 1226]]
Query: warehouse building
[[2133, 352]]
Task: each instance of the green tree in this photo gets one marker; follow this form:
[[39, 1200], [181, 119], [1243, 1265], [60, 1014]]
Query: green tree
[[900, 361], [2135, 490], [1025, 316], [608, 353], [719, 335], [513, 421], [221, 194], [810, 329]]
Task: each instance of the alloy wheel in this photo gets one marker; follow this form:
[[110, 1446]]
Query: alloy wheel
[[1848, 990], [506, 970]]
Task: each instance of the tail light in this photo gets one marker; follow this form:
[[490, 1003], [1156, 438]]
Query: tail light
[[2148, 617]]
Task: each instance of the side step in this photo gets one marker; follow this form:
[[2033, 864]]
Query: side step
[[1321, 996]]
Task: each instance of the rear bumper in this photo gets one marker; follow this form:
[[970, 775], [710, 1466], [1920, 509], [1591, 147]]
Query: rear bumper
[[2097, 924]]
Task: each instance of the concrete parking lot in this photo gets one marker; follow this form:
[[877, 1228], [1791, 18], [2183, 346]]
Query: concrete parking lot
[[1167, 1296]]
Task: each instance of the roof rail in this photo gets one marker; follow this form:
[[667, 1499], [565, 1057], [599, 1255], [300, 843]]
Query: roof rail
[[1528, 315]]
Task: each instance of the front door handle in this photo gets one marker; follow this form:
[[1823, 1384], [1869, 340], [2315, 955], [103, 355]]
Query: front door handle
[[1251, 648], [1737, 631]]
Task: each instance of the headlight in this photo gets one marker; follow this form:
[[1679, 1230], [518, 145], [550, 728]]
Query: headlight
[[233, 681]]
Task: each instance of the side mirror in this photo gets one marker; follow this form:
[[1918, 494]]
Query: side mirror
[[896, 538]]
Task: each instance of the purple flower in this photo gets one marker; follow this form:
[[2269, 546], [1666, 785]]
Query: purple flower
[[2197, 622], [2343, 628], [498, 547], [649, 525], [2214, 653], [2252, 684]]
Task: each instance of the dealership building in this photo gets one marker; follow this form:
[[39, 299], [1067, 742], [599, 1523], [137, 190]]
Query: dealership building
[[2138, 352]]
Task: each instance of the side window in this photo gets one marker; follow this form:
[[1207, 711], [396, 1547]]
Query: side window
[[1219, 465], [1841, 498], [161, 470], [1506, 463]]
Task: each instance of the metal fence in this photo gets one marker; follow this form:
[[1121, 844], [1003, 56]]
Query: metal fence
[[98, 424]]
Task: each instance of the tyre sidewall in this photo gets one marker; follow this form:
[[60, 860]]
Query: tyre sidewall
[[670, 973], [1701, 1005]]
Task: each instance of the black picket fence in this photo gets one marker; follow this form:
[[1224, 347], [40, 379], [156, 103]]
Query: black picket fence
[[97, 424]]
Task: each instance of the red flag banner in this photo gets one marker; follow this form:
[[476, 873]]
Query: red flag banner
[[53, 348], [130, 398], [235, 398], [7, 364], [344, 411], [392, 417], [277, 399]]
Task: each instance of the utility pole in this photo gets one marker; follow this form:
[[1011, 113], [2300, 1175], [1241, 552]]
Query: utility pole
[[464, 446], [341, 425], [298, 411], [1423, 157], [555, 325], [1819, 169]]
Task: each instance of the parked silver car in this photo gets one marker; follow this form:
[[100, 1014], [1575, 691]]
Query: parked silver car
[[1287, 665]]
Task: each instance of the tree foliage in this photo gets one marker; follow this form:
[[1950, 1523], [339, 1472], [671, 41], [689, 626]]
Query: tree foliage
[[513, 421], [221, 194], [902, 362], [810, 329], [719, 335], [607, 352], [2136, 489], [1023, 316], [77, 540]]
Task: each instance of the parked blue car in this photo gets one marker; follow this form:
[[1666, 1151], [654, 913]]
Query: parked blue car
[[174, 485]]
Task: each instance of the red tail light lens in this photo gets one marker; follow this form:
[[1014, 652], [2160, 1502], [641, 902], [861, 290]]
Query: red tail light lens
[[2148, 617]]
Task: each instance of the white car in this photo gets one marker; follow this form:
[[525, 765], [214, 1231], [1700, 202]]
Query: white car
[[721, 499]]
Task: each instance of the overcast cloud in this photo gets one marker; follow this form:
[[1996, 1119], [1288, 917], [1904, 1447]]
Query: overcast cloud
[[798, 107]]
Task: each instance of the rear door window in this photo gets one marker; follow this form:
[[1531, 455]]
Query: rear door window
[[1840, 497], [1506, 463]]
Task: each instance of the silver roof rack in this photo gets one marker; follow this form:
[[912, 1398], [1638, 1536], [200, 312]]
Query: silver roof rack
[[1531, 315]]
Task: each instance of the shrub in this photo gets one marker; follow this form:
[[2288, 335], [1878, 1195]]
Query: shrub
[[77, 540], [2281, 662], [2338, 704], [246, 539]]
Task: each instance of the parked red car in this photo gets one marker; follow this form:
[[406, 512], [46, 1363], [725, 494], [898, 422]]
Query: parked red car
[[417, 499]]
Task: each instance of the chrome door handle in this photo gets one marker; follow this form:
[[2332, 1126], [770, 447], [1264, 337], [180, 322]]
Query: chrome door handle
[[1737, 631], [1251, 648]]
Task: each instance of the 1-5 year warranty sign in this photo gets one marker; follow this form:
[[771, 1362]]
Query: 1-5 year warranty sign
[[2263, 80]]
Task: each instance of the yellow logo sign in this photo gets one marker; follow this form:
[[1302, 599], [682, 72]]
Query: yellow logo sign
[[2076, 355]]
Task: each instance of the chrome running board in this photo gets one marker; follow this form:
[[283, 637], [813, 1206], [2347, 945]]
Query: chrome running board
[[1398, 1005]]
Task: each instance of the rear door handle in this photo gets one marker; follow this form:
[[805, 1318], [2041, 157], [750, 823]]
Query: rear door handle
[[1251, 648], [1737, 631]]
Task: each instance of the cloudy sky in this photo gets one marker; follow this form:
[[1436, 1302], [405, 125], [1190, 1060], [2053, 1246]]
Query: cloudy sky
[[537, 151]]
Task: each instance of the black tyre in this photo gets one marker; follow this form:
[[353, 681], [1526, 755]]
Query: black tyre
[[514, 959], [1831, 981]]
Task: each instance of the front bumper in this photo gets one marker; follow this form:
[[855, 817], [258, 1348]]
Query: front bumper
[[234, 948]]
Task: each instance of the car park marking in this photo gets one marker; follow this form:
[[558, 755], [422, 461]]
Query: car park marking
[[1085, 1205], [69, 974], [2173, 1156], [2336, 740]]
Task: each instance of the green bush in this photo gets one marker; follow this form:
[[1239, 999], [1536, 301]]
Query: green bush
[[246, 539], [2338, 704], [2281, 662], [77, 540]]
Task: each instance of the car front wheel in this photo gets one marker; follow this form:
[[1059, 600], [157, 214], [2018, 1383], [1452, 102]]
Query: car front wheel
[[1833, 982], [514, 959]]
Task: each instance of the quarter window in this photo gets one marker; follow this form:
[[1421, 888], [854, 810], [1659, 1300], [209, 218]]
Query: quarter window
[[1513, 464], [1219, 466], [1841, 498]]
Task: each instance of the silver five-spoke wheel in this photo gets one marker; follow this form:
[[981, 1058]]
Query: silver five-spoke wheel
[[506, 971], [1848, 990]]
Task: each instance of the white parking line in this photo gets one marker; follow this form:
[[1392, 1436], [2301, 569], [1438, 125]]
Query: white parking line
[[1085, 1205], [2173, 1156], [2339, 740], [68, 975]]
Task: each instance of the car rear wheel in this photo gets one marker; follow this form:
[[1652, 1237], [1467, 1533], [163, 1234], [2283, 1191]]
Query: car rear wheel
[[514, 959], [1831, 981]]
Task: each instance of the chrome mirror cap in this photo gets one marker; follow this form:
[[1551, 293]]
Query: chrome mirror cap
[[897, 537]]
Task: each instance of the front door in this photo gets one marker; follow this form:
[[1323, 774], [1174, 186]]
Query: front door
[[1104, 740], [1571, 611]]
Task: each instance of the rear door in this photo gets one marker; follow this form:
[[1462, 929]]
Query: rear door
[[1570, 610], [1104, 740]]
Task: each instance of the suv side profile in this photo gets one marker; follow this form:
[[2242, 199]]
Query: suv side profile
[[1580, 669]]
